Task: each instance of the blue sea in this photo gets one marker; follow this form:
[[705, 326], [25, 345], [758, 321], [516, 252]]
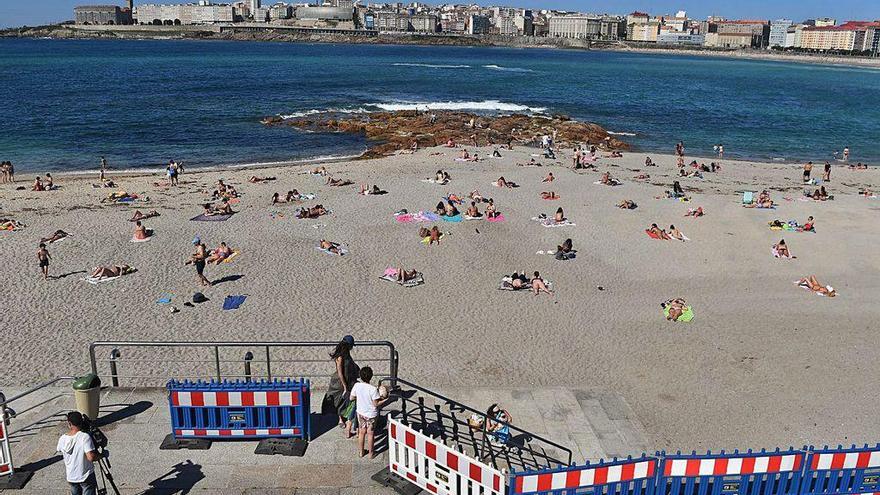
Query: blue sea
[[141, 103]]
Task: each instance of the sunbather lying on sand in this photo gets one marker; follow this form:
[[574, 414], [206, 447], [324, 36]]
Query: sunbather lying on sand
[[674, 233], [608, 180], [549, 195], [676, 308], [519, 280], [781, 250], [539, 285], [433, 234], [615, 154], [627, 204], [338, 182], [814, 285], [366, 189], [140, 232], [313, 212], [476, 196], [406, 276], [254, 179], [57, 236], [224, 208], [140, 216], [221, 253], [657, 231], [531, 163], [694, 212], [441, 177], [501, 182], [319, 171], [10, 224], [111, 272], [473, 211]]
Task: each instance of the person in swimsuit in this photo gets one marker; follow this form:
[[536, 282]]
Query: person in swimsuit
[[549, 178], [440, 209], [490, 209], [809, 226], [140, 232], [221, 253], [827, 175], [518, 280], [198, 259], [813, 284], [140, 216], [450, 209], [57, 236], [808, 168], [48, 184], [675, 233], [43, 258], [332, 247], [539, 285], [406, 276], [782, 249], [110, 272], [626, 204], [676, 308], [472, 211], [549, 195], [38, 185], [657, 231], [560, 216]]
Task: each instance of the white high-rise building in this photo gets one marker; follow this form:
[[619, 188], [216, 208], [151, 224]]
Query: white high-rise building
[[254, 5]]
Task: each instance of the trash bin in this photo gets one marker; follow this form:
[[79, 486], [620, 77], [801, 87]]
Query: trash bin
[[87, 392]]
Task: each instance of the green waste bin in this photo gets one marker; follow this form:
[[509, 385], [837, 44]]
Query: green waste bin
[[87, 392]]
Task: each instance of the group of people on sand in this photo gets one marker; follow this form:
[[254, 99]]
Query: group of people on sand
[[7, 172], [819, 194], [173, 171], [446, 209], [223, 208], [313, 212], [672, 233], [465, 156], [43, 185], [433, 235], [291, 197], [519, 281], [201, 256]]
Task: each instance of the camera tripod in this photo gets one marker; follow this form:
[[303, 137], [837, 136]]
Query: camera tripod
[[106, 476]]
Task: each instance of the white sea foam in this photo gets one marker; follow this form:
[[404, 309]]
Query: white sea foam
[[621, 133], [316, 111], [485, 105], [506, 69], [432, 66]]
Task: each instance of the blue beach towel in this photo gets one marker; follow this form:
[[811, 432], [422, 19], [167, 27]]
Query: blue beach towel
[[456, 218], [233, 302], [165, 299]]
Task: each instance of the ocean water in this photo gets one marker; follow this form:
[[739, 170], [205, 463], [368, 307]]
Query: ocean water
[[141, 103]]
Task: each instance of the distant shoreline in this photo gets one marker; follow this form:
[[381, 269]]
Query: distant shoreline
[[210, 32]]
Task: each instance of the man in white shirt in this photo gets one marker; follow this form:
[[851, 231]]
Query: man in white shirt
[[79, 453], [367, 400]]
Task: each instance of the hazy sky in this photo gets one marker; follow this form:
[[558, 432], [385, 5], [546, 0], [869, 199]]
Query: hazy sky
[[22, 12]]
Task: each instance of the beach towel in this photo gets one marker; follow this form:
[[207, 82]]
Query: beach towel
[[455, 219], [686, 316], [427, 239], [434, 181], [614, 182], [405, 218], [776, 254], [146, 239], [468, 217], [653, 235], [495, 183], [342, 251], [806, 286], [426, 216], [165, 299], [748, 197], [96, 281], [496, 219], [391, 276], [211, 218], [233, 302], [228, 259], [549, 222]]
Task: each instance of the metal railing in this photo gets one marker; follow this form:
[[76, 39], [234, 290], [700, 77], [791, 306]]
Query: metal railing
[[524, 450], [132, 360]]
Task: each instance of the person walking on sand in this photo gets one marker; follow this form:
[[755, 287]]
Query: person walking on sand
[[721, 152], [826, 176], [43, 257], [103, 168], [199, 259], [846, 153], [808, 168]]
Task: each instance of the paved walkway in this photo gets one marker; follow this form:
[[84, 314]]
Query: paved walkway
[[592, 425]]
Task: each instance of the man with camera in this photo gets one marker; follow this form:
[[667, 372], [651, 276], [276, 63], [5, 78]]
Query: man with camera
[[79, 452]]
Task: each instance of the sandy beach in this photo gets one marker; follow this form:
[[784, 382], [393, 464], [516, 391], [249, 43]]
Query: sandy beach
[[764, 363]]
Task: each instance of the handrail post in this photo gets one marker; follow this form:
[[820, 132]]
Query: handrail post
[[268, 365], [114, 373], [217, 360], [92, 359], [395, 361], [248, 357]]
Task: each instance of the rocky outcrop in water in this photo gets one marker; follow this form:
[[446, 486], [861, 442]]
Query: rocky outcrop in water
[[394, 131]]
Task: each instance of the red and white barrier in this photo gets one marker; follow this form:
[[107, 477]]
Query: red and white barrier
[[846, 460], [5, 455], [265, 432], [235, 399], [572, 479], [733, 465], [432, 466]]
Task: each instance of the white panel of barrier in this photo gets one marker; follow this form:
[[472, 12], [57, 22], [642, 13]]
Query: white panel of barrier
[[432, 466], [5, 454]]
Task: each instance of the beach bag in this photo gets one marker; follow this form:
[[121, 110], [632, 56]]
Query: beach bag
[[350, 410]]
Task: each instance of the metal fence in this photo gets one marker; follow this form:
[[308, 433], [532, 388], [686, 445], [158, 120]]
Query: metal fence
[[151, 363]]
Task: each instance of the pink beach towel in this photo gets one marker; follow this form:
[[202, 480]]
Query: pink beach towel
[[499, 218]]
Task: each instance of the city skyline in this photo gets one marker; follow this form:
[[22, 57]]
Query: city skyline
[[13, 14]]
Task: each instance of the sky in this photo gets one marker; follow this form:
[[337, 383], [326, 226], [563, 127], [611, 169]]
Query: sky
[[36, 12]]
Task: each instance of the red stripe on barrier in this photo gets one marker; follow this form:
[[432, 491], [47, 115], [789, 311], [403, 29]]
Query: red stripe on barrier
[[748, 465], [200, 433], [394, 431], [452, 461], [720, 467], [692, 467], [496, 483], [222, 399], [518, 487], [178, 432], [2, 431], [174, 400], [774, 463], [431, 487], [4, 468], [863, 460], [272, 398], [651, 467], [600, 476], [815, 464], [225, 433], [247, 399], [411, 476], [410, 439], [837, 461], [797, 462], [572, 479], [274, 431], [545, 481], [294, 398], [197, 399], [475, 473], [627, 472], [250, 432], [667, 468], [431, 450]]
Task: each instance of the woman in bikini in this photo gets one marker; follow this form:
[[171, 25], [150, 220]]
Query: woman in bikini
[[490, 209], [450, 209], [140, 232], [539, 285], [440, 209], [809, 226], [814, 285], [782, 249], [110, 272], [38, 185], [221, 253], [560, 215], [472, 211], [657, 231], [330, 246], [676, 308], [405, 276], [549, 195], [292, 196], [675, 233], [549, 178]]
